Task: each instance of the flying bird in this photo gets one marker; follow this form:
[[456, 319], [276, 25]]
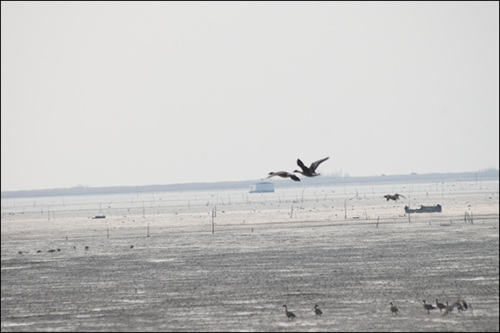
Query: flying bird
[[290, 315], [284, 174], [311, 171], [393, 197]]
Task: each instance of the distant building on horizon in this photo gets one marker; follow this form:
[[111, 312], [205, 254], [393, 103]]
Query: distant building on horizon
[[263, 187]]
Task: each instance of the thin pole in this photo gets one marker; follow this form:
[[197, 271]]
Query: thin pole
[[345, 209], [213, 220]]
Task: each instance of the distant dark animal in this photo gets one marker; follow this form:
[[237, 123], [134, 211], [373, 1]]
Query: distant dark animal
[[284, 174], [394, 309], [52, 251], [58, 250], [440, 306], [311, 171], [317, 311], [39, 251], [460, 305], [290, 315], [20, 252], [428, 307], [87, 247], [393, 197], [131, 246]]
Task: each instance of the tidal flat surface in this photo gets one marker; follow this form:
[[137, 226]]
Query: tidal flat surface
[[158, 263]]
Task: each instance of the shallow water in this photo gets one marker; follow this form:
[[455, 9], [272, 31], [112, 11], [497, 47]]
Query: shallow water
[[297, 247]]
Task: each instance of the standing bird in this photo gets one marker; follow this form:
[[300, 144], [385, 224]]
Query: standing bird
[[428, 307], [311, 171], [460, 305], [318, 311], [393, 197], [465, 306], [289, 314], [440, 306], [284, 174], [394, 309], [450, 308]]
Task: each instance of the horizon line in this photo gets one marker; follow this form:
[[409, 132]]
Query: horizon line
[[489, 171]]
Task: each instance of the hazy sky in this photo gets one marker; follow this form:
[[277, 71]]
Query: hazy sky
[[138, 93]]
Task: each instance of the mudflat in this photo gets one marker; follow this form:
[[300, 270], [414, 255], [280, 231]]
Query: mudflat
[[229, 261]]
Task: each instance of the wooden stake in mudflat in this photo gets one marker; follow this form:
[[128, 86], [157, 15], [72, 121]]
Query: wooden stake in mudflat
[[345, 209], [214, 212]]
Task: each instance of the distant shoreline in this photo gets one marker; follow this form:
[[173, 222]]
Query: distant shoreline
[[489, 174]]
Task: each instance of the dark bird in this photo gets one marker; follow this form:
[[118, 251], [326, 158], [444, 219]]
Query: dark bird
[[311, 171], [394, 309], [428, 307], [460, 305], [393, 197], [450, 308], [440, 306], [465, 306], [290, 315], [318, 311], [284, 174]]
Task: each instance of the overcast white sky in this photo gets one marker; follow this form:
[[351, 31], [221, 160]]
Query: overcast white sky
[[138, 93]]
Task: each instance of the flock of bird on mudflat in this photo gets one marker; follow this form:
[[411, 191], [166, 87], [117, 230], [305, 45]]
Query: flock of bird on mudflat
[[290, 315], [461, 305], [311, 172]]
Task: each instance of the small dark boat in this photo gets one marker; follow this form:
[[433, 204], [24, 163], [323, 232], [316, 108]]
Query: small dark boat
[[424, 209]]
